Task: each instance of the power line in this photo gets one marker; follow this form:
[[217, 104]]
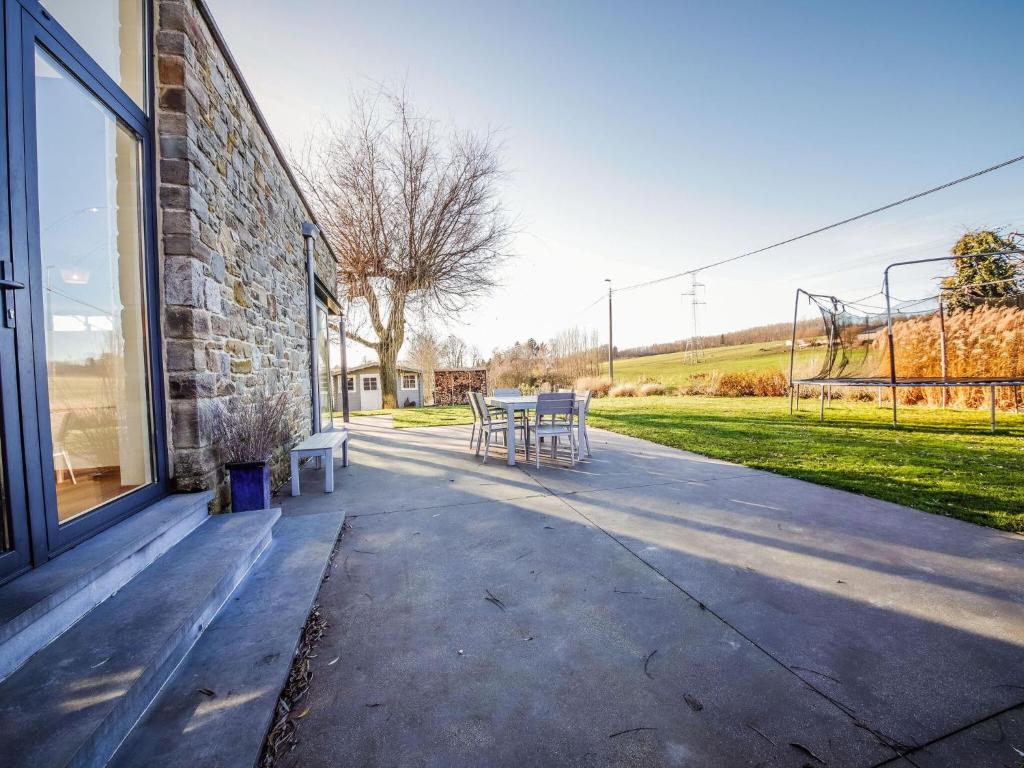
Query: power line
[[594, 303], [819, 230]]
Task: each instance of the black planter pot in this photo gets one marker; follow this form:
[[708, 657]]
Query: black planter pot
[[250, 485]]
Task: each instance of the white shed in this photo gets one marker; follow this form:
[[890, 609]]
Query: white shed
[[364, 386]]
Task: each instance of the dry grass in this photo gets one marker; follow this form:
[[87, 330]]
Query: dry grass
[[764, 383], [982, 342], [598, 385], [623, 390], [651, 388]]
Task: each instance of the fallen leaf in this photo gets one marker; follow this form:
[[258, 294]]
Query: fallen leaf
[[206, 692], [302, 714], [333, 661]]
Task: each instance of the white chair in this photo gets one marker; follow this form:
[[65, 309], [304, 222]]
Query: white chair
[[513, 392], [582, 409], [553, 419], [492, 420], [476, 418]]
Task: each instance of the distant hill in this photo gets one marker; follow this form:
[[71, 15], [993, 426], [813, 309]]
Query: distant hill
[[758, 334], [671, 370]]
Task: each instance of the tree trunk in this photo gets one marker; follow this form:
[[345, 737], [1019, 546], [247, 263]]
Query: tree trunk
[[388, 354]]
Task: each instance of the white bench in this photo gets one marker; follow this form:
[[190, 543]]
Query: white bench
[[321, 446]]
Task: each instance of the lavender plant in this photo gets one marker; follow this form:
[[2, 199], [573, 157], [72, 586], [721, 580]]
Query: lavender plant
[[254, 427]]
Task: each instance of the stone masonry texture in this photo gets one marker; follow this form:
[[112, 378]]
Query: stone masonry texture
[[231, 248]]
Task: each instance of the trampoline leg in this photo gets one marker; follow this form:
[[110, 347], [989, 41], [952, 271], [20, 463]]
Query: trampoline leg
[[895, 423], [790, 399], [1016, 399], [798, 397], [992, 406], [822, 416]]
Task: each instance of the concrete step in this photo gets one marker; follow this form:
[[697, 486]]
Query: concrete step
[[217, 708], [74, 701], [39, 606]]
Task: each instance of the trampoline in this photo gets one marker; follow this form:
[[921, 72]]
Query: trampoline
[[967, 336]]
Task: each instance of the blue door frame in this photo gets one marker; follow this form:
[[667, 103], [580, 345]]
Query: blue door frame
[[23, 380]]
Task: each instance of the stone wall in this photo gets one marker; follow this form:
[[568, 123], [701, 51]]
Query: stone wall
[[231, 246], [453, 385]]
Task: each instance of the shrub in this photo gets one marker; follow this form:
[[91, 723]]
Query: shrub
[[623, 390], [701, 384], [765, 383], [652, 388], [769, 383], [598, 385]]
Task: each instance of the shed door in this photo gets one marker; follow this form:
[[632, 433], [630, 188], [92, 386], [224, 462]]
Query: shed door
[[369, 395]]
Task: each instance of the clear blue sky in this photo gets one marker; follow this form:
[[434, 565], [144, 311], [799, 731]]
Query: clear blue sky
[[646, 138]]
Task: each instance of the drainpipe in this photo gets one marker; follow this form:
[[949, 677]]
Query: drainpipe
[[309, 234], [344, 369]]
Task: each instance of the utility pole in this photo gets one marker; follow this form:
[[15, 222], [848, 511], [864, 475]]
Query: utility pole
[[611, 346], [694, 351]]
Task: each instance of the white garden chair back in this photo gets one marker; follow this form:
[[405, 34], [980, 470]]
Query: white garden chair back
[[488, 424], [513, 392], [582, 411], [553, 418], [477, 419]]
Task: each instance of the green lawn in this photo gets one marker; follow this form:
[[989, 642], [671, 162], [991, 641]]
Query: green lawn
[[944, 462], [938, 461], [670, 370], [433, 416]]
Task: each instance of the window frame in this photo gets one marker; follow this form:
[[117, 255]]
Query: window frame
[[29, 25], [370, 377], [415, 382]]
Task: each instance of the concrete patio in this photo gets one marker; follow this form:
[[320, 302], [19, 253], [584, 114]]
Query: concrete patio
[[653, 607]]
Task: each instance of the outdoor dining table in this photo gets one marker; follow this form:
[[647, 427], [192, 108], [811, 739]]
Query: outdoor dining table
[[529, 403]]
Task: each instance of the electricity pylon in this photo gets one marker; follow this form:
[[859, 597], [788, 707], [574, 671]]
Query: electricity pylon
[[694, 352]]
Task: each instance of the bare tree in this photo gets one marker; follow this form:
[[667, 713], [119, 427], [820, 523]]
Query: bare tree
[[414, 216], [425, 354], [453, 352]]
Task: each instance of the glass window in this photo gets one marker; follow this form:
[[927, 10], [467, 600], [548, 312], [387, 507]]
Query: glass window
[[369, 383], [113, 32], [351, 384], [408, 381], [90, 238]]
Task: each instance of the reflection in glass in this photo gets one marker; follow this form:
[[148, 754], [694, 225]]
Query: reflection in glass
[[113, 33], [92, 256], [323, 351]]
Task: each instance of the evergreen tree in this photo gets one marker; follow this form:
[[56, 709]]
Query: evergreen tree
[[980, 277]]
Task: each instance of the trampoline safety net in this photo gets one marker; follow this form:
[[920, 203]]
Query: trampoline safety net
[[968, 336]]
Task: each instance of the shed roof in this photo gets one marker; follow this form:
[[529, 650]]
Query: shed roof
[[336, 370]]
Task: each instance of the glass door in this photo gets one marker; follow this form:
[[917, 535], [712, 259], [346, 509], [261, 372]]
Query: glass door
[[93, 294], [88, 251], [15, 543]]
